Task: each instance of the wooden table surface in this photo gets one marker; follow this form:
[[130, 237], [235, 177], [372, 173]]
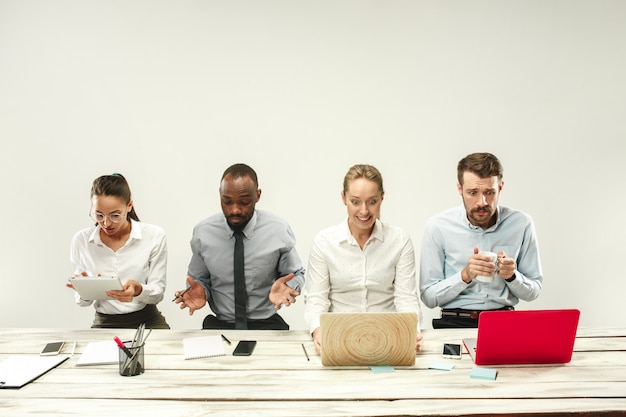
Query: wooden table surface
[[277, 380]]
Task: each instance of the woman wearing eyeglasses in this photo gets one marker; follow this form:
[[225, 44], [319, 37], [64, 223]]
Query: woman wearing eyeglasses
[[120, 245]]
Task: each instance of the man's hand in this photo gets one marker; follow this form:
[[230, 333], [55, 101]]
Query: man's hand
[[477, 265], [506, 266], [194, 299], [283, 294]]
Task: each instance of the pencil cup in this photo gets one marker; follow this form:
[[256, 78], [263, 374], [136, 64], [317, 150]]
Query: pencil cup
[[131, 360]]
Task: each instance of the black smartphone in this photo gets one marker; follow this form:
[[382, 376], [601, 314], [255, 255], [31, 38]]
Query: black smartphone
[[53, 348], [244, 348], [451, 350]]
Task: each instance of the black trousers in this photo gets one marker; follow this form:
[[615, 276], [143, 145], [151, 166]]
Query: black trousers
[[274, 322], [446, 322], [150, 316]]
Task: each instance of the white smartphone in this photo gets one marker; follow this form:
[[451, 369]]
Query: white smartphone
[[53, 348], [451, 351]]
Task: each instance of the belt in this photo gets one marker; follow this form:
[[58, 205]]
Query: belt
[[471, 314]]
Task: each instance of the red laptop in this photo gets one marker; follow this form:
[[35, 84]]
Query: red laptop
[[524, 337]]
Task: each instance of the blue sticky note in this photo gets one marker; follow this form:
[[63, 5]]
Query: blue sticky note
[[484, 373], [441, 366], [382, 369]]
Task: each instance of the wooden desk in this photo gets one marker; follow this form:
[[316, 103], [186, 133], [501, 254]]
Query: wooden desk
[[277, 380]]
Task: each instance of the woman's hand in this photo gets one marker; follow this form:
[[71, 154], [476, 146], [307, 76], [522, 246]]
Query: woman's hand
[[418, 342], [317, 340], [131, 290]]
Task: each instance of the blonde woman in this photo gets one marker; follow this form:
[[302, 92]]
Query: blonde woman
[[361, 264]]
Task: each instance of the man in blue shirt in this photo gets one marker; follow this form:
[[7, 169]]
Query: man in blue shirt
[[273, 271], [450, 260]]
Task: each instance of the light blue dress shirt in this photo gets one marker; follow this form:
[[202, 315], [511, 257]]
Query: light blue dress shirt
[[448, 242], [269, 253]]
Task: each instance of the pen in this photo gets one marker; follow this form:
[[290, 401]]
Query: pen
[[144, 339], [73, 348], [132, 362], [181, 294], [138, 342], [122, 346], [225, 339], [305, 354]]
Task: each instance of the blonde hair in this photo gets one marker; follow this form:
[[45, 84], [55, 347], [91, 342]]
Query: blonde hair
[[368, 172]]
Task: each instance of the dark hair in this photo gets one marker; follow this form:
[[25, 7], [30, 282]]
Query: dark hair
[[482, 164], [241, 170], [368, 172], [115, 186]]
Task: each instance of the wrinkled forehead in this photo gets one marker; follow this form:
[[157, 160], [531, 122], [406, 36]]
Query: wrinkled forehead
[[472, 181]]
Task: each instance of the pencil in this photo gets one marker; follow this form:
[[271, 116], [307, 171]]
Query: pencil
[[305, 353], [181, 294]]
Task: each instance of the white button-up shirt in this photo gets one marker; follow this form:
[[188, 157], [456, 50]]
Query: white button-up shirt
[[341, 277], [142, 258]]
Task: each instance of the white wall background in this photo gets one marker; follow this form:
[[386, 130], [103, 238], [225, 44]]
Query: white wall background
[[170, 93]]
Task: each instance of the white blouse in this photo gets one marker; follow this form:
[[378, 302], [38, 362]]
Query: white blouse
[[142, 258], [341, 277]]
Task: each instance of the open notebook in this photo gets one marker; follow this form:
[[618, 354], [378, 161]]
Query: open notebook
[[18, 370], [368, 339]]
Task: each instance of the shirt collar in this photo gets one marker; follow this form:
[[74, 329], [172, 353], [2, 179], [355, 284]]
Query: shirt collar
[[248, 231], [135, 233], [478, 228], [346, 236]]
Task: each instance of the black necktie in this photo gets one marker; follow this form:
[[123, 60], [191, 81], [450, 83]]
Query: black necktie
[[241, 322]]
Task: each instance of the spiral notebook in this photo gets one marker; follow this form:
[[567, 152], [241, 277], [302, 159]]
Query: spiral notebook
[[203, 347]]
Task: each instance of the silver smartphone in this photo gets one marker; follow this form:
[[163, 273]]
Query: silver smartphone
[[451, 351], [52, 348]]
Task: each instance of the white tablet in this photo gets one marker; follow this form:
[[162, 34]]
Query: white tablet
[[95, 288]]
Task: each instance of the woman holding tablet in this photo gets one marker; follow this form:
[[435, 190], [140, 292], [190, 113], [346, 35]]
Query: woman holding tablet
[[120, 245]]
